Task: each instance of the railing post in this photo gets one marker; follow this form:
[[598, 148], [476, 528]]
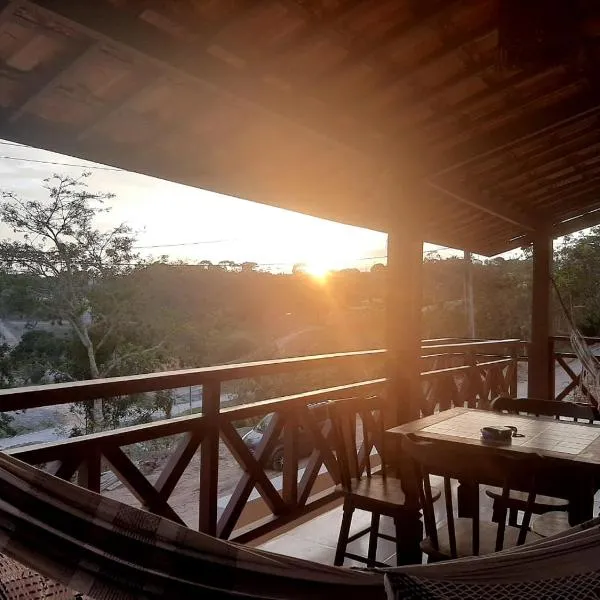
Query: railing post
[[209, 458], [290, 461], [552, 369], [88, 474], [472, 378], [514, 379]]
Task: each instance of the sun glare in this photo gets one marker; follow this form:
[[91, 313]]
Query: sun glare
[[320, 272]]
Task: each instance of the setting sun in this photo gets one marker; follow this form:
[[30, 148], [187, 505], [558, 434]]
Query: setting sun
[[318, 271]]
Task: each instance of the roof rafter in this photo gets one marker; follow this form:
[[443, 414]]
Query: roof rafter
[[544, 172], [359, 101], [459, 109], [555, 152], [110, 110], [424, 14], [53, 77], [506, 213], [590, 219], [448, 48], [525, 128], [314, 29], [102, 21]]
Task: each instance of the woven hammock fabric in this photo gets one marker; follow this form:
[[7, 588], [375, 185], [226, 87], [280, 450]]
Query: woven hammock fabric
[[107, 550], [566, 566]]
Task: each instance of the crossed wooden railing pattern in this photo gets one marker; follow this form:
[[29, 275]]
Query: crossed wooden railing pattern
[[562, 360], [467, 378], [83, 459]]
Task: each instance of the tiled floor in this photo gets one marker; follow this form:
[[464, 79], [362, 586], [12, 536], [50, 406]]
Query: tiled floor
[[316, 539]]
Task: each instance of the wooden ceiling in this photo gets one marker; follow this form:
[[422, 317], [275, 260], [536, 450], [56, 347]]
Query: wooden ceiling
[[352, 110]]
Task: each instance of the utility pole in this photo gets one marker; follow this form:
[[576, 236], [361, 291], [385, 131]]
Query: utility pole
[[468, 296]]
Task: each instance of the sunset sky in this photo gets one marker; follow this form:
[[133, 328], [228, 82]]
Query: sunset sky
[[191, 224]]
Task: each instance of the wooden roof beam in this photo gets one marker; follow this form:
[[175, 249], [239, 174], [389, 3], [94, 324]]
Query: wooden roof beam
[[459, 109], [520, 130], [559, 189], [104, 22], [313, 29], [450, 48], [504, 212], [424, 14], [566, 194], [542, 173], [588, 216], [587, 203], [52, 79], [110, 110], [556, 150], [589, 219]]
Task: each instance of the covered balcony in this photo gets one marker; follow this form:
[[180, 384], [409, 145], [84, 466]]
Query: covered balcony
[[436, 122]]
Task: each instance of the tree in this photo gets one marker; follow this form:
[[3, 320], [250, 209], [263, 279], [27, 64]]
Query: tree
[[72, 267], [248, 267], [228, 265], [378, 268], [299, 269], [576, 272], [6, 380]]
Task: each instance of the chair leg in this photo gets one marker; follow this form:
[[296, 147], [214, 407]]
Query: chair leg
[[340, 550], [513, 514], [373, 536], [496, 512]]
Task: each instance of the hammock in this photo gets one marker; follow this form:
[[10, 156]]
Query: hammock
[[108, 550], [589, 379]]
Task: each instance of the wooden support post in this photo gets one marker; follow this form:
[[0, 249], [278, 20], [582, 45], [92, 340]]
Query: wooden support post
[[209, 458], [404, 302], [540, 360]]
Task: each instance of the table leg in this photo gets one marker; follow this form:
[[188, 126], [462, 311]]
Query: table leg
[[409, 527], [409, 533], [467, 499]]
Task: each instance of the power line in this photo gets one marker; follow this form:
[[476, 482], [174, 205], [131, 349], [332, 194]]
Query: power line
[[186, 244]]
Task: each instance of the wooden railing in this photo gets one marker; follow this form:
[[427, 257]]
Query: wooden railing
[[463, 373], [469, 373], [565, 362]]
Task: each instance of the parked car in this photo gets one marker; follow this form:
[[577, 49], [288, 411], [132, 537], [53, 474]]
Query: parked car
[[254, 437]]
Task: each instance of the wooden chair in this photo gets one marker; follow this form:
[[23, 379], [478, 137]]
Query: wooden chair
[[547, 408], [376, 492], [463, 537]]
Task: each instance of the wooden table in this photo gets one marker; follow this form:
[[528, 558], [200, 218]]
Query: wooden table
[[572, 448]]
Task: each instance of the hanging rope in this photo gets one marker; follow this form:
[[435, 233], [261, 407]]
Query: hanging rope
[[589, 379]]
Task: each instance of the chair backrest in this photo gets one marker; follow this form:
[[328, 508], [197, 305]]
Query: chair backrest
[[548, 408], [353, 460], [471, 467]]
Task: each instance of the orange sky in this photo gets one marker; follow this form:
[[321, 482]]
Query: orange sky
[[192, 224]]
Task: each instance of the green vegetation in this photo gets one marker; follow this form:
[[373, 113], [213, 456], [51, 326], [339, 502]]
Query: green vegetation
[[94, 308]]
